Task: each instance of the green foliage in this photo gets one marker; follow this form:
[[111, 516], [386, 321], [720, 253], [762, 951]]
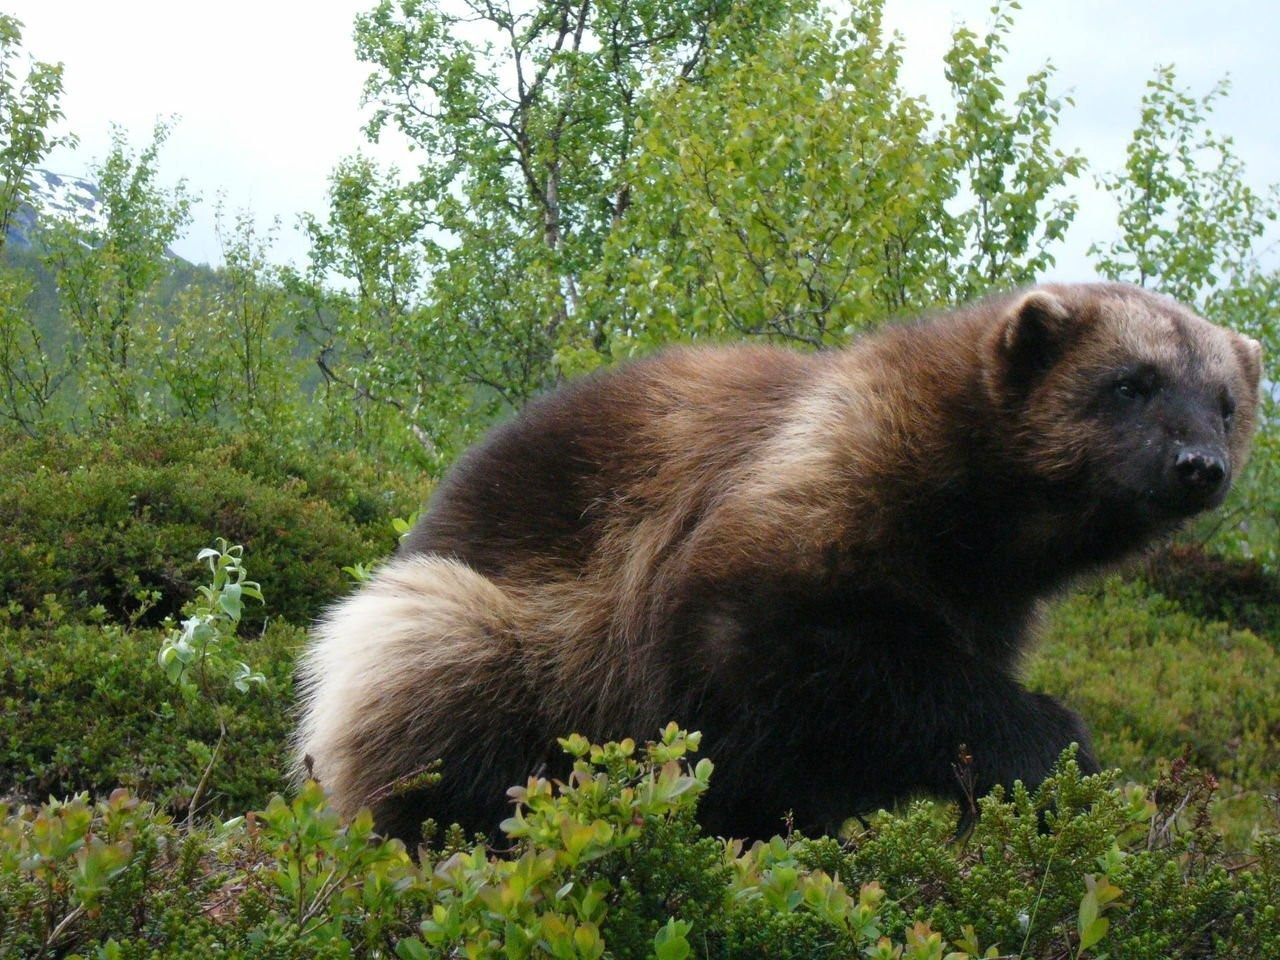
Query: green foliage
[[197, 653], [512, 198], [108, 277], [599, 179], [1249, 526], [29, 378], [785, 906], [108, 520], [1210, 586], [776, 197], [609, 177], [611, 864], [369, 342], [552, 893], [1041, 872], [29, 108], [83, 707], [1156, 681], [223, 344], [1188, 220], [133, 333], [1011, 174], [800, 193], [201, 653]]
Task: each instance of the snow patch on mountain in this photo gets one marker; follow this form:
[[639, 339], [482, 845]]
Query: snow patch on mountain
[[55, 197]]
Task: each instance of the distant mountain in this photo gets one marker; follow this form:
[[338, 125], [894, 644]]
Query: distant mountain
[[55, 196]]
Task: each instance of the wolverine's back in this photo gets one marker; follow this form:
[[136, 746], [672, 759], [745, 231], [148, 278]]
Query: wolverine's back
[[605, 450]]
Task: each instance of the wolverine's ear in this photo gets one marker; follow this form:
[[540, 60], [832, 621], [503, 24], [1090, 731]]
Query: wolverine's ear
[[1031, 337], [1249, 351], [1036, 331]]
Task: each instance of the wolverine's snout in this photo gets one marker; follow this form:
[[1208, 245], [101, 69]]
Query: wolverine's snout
[[1198, 478], [1199, 470]]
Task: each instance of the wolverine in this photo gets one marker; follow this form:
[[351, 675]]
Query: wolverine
[[829, 563]]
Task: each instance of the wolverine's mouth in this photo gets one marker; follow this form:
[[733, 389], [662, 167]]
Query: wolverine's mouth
[[1181, 503]]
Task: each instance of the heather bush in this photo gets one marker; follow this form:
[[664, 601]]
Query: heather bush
[[115, 521], [1157, 682], [85, 707], [1213, 586]]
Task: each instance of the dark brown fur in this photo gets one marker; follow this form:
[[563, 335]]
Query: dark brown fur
[[827, 563]]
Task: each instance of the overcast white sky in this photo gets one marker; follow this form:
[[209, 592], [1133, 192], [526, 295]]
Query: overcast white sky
[[268, 92]]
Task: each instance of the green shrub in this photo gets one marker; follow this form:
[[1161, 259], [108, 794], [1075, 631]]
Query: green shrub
[[1017, 883], [1155, 682], [1240, 592], [86, 707], [611, 865], [109, 520]]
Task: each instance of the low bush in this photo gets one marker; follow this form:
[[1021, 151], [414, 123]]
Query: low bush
[[87, 708], [1157, 682], [115, 521], [611, 865], [1238, 591]]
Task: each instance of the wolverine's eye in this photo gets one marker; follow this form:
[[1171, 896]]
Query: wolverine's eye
[[1139, 382], [1228, 410], [1133, 389]]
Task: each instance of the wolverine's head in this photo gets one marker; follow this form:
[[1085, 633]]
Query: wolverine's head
[[1125, 396]]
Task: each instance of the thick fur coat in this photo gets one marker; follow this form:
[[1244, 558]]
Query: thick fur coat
[[829, 563]]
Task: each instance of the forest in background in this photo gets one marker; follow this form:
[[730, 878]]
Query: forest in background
[[596, 179], [593, 187]]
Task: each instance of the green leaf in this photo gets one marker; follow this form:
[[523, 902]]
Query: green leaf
[[412, 949], [1093, 932], [670, 942]]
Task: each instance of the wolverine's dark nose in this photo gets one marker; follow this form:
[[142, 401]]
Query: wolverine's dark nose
[[1200, 470]]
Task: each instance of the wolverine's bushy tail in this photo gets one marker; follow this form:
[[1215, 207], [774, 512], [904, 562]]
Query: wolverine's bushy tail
[[420, 664]]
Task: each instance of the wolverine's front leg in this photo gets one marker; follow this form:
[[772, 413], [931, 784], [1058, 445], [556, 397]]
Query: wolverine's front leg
[[906, 709], [983, 728], [827, 740]]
